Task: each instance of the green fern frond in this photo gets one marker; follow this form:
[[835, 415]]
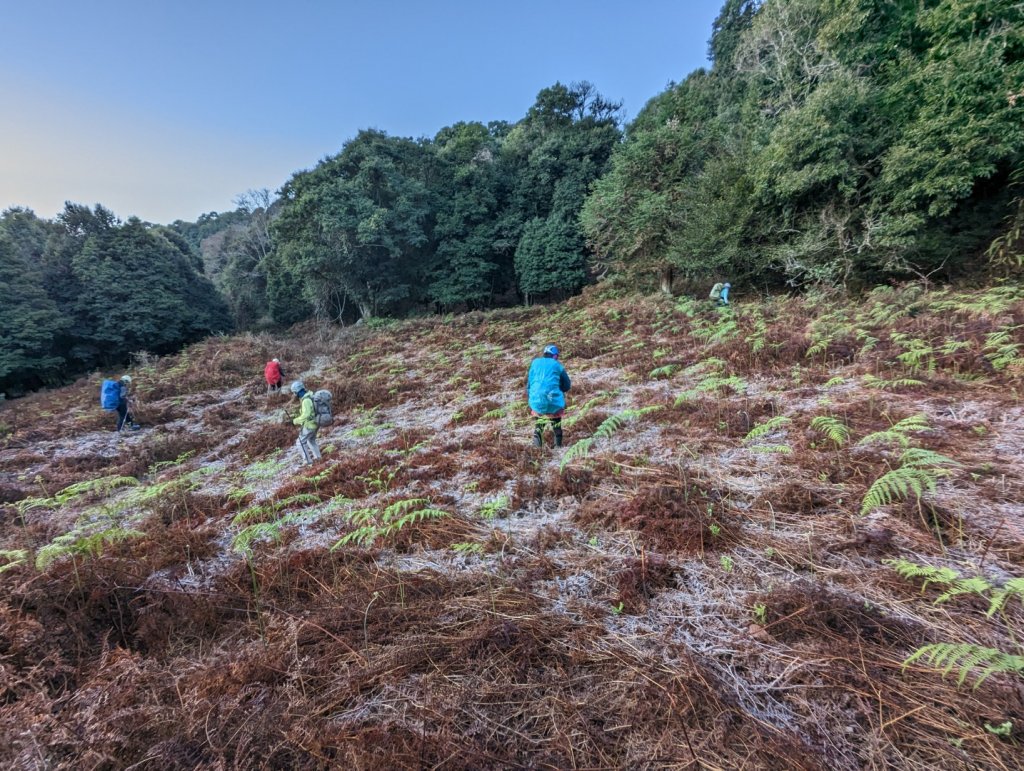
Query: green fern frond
[[574, 414], [251, 513], [897, 433], [665, 371], [918, 457], [26, 505], [606, 430], [142, 496], [300, 499], [974, 585], [836, 431], [735, 384], [78, 490], [875, 382], [611, 425], [1000, 349], [101, 485], [756, 338], [361, 516], [781, 449], [391, 521], [917, 422], [931, 575], [710, 364], [920, 355], [918, 473], [951, 346], [712, 384], [885, 437], [835, 381], [13, 558], [270, 509], [244, 540], [501, 412], [398, 508], [995, 301], [892, 486], [722, 328], [366, 529], [492, 509], [265, 469], [868, 340], [161, 465], [819, 346], [770, 426], [579, 450], [1012, 588], [967, 657], [364, 536], [82, 542], [415, 516]]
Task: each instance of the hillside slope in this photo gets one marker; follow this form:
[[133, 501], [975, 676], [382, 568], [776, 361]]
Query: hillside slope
[[761, 513]]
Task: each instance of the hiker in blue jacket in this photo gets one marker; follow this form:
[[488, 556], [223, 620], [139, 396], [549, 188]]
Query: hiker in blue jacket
[[546, 386], [125, 419]]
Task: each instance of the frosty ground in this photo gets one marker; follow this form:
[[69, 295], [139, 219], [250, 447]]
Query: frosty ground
[[720, 570]]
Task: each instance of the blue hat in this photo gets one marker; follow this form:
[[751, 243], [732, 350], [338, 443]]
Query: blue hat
[[552, 349]]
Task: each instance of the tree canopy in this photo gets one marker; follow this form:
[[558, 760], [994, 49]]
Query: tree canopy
[[829, 141], [87, 291]]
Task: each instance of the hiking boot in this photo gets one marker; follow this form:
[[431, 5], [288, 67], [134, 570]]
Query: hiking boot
[[134, 426], [558, 437], [538, 439]]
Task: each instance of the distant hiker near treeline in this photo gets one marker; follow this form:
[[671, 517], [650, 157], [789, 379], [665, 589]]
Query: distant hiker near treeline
[[720, 293], [314, 412], [273, 373], [546, 385], [115, 395]]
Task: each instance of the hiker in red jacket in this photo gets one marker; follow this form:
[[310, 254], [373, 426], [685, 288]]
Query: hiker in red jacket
[[274, 376]]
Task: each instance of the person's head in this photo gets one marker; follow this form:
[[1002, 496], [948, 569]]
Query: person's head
[[126, 379], [728, 285], [276, 361], [551, 352], [298, 387]]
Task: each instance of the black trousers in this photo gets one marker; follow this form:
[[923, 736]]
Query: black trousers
[[538, 430], [123, 416]]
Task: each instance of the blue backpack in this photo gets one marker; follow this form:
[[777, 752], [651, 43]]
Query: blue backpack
[[110, 394]]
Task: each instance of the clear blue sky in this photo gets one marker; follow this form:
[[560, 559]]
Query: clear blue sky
[[169, 109]]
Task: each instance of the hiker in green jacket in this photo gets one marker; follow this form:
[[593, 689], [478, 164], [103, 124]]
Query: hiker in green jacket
[[306, 421], [720, 293]]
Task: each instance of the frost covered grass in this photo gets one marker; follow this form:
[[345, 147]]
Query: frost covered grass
[[762, 546]]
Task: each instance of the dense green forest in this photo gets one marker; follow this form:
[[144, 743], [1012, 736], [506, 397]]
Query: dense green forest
[[845, 143], [839, 141], [86, 291]]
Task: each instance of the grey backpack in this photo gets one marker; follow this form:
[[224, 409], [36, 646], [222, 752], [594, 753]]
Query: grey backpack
[[322, 408]]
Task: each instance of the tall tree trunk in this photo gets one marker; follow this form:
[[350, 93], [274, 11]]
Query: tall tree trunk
[[667, 275]]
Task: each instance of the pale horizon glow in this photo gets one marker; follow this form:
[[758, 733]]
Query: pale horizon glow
[[172, 111], [130, 163]]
